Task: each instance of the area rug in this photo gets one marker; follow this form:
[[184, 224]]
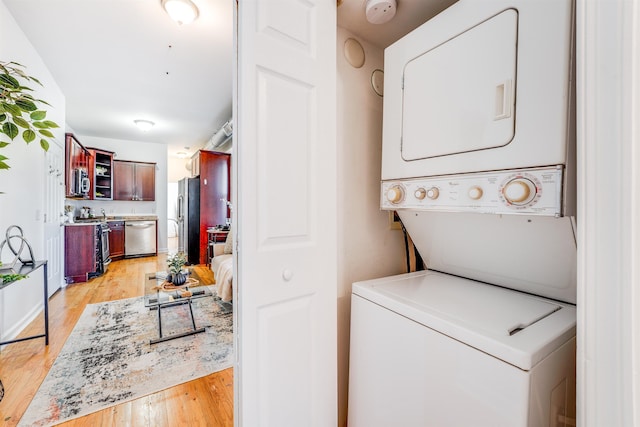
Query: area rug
[[107, 359]]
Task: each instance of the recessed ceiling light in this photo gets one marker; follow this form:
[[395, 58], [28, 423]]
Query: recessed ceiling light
[[144, 125], [181, 11], [182, 154]]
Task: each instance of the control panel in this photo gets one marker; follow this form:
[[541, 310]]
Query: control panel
[[536, 191]]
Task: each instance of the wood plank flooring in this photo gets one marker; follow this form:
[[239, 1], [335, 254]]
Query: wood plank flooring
[[207, 401]]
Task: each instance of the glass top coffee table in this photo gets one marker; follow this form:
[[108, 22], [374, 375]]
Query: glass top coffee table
[[162, 295]]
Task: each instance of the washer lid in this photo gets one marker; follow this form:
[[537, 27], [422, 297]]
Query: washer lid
[[519, 328]]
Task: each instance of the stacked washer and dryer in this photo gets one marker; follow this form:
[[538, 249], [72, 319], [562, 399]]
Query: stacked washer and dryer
[[479, 163]]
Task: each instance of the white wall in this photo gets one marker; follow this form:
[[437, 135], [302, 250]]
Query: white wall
[[136, 151], [23, 185], [177, 169], [368, 248]]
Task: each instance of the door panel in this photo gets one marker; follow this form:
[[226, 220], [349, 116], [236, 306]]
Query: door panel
[[123, 183], [53, 216], [285, 220], [145, 181], [460, 96]]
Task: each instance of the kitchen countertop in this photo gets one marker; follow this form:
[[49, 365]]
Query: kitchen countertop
[[98, 220], [132, 217]]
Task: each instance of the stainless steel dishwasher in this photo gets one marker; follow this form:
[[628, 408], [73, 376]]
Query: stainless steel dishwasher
[[139, 238]]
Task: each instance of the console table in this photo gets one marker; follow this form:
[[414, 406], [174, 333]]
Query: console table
[[214, 236], [28, 269]]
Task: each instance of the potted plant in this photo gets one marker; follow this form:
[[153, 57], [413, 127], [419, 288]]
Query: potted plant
[[19, 110], [176, 262]]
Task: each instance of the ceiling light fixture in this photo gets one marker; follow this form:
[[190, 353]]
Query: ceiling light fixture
[[181, 11], [144, 125], [182, 155]]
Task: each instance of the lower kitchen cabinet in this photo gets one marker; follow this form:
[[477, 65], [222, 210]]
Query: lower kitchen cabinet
[[80, 256], [116, 239]]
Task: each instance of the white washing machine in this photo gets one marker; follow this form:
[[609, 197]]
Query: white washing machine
[[479, 162], [431, 349], [437, 349]]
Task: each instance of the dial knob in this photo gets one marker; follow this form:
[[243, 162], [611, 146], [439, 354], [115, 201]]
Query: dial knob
[[475, 192], [433, 193], [420, 193], [395, 194], [519, 191]]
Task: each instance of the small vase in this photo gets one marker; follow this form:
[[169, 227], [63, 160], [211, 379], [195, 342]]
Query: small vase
[[169, 278], [179, 279]]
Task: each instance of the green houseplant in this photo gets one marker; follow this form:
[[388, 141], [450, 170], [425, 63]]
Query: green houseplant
[[20, 113], [176, 262]]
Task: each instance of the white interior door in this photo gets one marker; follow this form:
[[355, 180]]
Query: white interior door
[[53, 216], [285, 221]]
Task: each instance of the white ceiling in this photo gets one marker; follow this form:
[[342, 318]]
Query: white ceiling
[[121, 60], [410, 14]]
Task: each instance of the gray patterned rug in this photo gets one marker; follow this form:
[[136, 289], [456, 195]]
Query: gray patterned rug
[[108, 360]]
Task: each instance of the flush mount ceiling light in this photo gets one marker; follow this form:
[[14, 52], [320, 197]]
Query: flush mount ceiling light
[[144, 125], [182, 155], [181, 11], [380, 11]]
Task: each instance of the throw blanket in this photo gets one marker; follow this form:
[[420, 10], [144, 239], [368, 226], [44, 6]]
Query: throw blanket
[[222, 266]]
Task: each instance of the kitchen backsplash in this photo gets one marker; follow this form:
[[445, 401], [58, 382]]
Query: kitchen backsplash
[[113, 207]]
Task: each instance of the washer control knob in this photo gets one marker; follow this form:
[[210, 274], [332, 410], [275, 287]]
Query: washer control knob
[[433, 193], [395, 194], [420, 193], [475, 192], [519, 191]]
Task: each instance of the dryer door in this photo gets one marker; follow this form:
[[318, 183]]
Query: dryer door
[[460, 96]]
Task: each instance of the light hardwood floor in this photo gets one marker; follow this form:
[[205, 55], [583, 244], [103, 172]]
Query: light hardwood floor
[[207, 401]]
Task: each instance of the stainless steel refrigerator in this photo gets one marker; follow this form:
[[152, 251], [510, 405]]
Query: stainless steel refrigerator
[[189, 218]]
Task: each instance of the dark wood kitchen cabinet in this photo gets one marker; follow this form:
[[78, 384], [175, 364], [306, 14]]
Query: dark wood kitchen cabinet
[[80, 245], [77, 158], [116, 239], [134, 180], [101, 174], [215, 191]]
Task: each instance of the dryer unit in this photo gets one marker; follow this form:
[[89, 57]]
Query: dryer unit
[[485, 86]]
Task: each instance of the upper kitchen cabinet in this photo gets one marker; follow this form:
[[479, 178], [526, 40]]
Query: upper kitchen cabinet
[[134, 180], [101, 174], [77, 159]]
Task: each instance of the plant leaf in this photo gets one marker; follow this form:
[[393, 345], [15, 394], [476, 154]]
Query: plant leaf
[[26, 105], [38, 115], [51, 124], [21, 122], [44, 144], [3, 144], [10, 130], [8, 81], [3, 117], [46, 133], [28, 135], [39, 125], [3, 165], [12, 109]]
